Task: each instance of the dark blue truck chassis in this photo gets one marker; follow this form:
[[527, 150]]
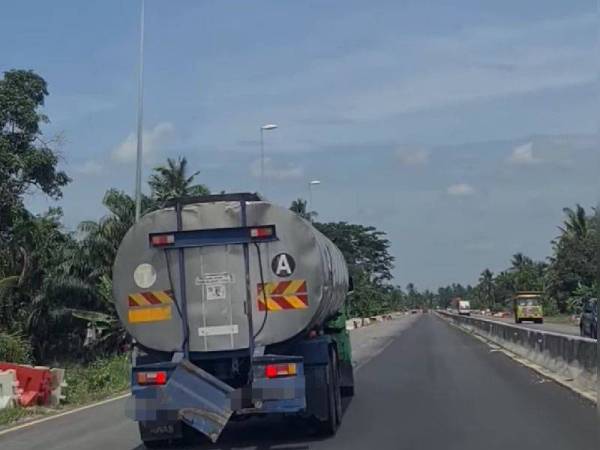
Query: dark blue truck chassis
[[308, 383]]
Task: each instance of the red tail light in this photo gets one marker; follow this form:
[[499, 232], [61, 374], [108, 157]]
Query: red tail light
[[157, 378], [160, 240], [280, 370], [261, 232]]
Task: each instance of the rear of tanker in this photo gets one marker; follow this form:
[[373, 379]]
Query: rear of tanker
[[237, 308]]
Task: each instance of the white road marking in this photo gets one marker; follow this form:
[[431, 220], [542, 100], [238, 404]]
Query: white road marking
[[66, 413]]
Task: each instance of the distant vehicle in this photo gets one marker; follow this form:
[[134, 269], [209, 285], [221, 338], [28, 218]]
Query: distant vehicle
[[464, 308], [528, 306], [589, 318]]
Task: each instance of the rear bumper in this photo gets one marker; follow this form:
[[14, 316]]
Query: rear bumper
[[197, 398]]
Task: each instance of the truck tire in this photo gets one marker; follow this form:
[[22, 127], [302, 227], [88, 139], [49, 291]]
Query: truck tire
[[329, 426], [347, 379]]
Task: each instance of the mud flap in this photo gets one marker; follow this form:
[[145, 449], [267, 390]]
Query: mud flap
[[202, 401]]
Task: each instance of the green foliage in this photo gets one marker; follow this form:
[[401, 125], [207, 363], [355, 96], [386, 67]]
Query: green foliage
[[300, 206], [26, 160], [569, 276], [15, 348], [98, 380], [12, 415], [365, 249], [171, 181]]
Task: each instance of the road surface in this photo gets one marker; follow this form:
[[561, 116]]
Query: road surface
[[563, 328], [433, 387]]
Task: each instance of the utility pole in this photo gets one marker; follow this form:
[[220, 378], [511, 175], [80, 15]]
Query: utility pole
[[140, 120]]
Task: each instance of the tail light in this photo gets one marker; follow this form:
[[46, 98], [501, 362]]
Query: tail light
[[280, 370], [161, 240], [261, 232], [152, 378]]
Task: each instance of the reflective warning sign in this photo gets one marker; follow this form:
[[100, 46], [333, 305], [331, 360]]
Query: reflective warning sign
[[282, 295], [151, 306]]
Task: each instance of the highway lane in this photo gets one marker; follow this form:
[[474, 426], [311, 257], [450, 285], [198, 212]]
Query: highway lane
[[563, 328], [432, 387]]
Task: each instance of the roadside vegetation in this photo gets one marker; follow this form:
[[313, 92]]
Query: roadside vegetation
[[567, 277]]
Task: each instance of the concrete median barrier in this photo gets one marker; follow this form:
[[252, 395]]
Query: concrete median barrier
[[57, 386], [8, 389], [34, 382], [572, 359]]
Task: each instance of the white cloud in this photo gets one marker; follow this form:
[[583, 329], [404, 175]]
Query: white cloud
[[460, 189], [154, 140], [413, 157], [274, 172], [457, 68], [90, 167], [523, 155]]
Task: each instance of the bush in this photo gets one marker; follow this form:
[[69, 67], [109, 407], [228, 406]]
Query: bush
[[98, 380], [15, 348]]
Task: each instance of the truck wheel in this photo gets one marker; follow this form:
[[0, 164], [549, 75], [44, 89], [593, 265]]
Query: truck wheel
[[337, 388], [329, 426], [347, 384]]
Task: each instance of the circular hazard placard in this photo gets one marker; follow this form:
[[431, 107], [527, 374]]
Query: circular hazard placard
[[283, 265]]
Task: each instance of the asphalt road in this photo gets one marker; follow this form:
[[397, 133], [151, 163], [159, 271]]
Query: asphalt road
[[433, 387], [563, 328]]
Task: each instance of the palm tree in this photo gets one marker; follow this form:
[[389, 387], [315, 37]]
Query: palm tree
[[101, 239], [520, 262], [486, 288], [576, 224], [299, 207], [171, 181]]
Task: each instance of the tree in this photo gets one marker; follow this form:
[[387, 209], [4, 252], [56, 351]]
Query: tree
[[101, 240], [365, 248], [31, 247], [299, 206], [26, 160], [172, 181], [574, 264], [520, 262], [486, 288], [576, 224]]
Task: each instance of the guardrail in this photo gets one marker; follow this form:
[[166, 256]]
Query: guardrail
[[573, 359]]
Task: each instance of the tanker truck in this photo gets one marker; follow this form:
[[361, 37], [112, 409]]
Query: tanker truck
[[236, 308]]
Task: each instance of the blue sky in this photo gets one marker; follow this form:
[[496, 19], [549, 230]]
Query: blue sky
[[459, 128]]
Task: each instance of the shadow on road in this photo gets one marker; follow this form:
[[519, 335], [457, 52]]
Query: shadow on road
[[261, 433]]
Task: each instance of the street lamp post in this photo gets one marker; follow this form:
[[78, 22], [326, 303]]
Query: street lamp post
[[267, 127], [140, 145], [310, 197]]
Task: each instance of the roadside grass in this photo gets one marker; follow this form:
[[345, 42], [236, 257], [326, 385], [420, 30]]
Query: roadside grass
[[563, 319], [96, 381], [11, 415]]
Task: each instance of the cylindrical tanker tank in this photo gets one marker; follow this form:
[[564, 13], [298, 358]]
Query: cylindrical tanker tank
[[303, 281]]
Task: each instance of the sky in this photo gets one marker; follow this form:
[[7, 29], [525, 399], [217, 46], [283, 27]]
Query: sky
[[460, 128]]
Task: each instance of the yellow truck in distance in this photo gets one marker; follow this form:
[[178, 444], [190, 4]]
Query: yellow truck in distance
[[528, 306]]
